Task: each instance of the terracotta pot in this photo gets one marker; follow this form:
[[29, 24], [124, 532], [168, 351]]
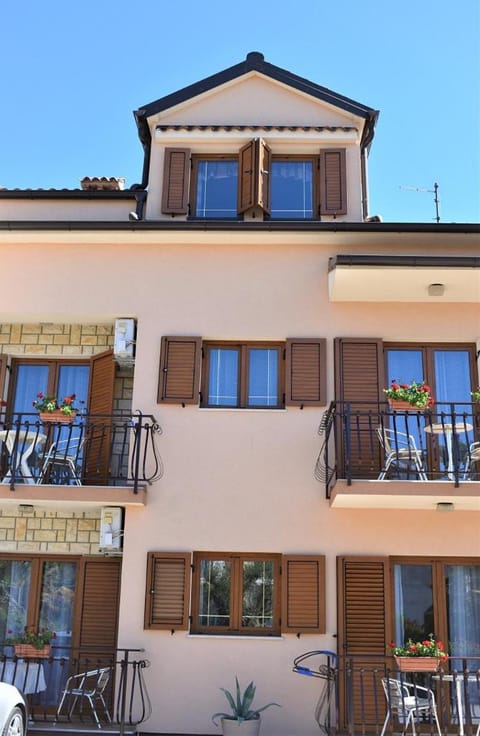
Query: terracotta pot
[[243, 728], [398, 405], [27, 650], [57, 416], [417, 664]]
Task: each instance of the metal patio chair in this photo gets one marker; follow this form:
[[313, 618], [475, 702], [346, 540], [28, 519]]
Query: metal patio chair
[[408, 702], [471, 459], [400, 451], [89, 686], [63, 456]]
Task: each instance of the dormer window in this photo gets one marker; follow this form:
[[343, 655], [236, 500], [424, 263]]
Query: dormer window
[[227, 186]]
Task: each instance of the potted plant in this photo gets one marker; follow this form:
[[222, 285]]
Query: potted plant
[[419, 656], [31, 642], [244, 720], [408, 396], [52, 409], [476, 395]]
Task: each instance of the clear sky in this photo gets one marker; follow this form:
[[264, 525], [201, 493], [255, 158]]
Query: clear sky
[[73, 72]]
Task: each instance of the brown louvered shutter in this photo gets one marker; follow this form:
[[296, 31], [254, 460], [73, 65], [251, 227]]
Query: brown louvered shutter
[[98, 603], [364, 615], [246, 177], [333, 182], [303, 594], [305, 370], [360, 379], [3, 375], [264, 166], [99, 426], [179, 374], [167, 594], [176, 173]]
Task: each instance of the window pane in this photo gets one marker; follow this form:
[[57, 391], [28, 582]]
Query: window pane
[[56, 599], [257, 599], [223, 377], [73, 379], [463, 608], [452, 375], [14, 591], [292, 189], [262, 377], [31, 380], [216, 189], [413, 602], [214, 604]]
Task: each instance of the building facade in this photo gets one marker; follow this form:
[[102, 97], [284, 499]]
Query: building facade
[[238, 314]]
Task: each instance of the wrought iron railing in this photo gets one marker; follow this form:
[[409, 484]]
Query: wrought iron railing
[[362, 440], [48, 682], [93, 449], [356, 694]]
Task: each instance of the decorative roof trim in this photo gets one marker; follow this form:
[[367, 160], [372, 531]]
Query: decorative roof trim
[[233, 128], [68, 193]]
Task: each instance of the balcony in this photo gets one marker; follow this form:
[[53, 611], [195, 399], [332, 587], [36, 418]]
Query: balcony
[[374, 457], [94, 459]]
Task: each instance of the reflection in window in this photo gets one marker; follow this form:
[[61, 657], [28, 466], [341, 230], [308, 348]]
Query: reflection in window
[[292, 189], [413, 602], [214, 605], [263, 377], [223, 377], [15, 578], [216, 188], [257, 597]]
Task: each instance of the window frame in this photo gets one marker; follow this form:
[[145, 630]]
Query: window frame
[[243, 373], [236, 560], [297, 158]]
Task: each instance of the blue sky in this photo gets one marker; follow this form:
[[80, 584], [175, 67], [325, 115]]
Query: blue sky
[[73, 72]]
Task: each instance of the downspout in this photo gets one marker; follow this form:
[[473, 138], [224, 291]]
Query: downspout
[[366, 142]]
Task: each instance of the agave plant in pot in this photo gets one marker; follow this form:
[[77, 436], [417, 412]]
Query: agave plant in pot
[[244, 720]]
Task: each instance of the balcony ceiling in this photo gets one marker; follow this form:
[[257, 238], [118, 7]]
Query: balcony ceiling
[[404, 279], [415, 495], [80, 498]]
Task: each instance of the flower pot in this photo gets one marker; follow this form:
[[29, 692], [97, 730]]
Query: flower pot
[[57, 416], [399, 405], [27, 650], [417, 664], [240, 728]]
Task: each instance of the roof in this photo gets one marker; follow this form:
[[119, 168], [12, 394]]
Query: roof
[[254, 62]]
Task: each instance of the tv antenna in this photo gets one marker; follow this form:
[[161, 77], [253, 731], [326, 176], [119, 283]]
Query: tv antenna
[[433, 191]]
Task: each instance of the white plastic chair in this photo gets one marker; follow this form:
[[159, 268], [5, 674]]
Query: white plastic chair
[[400, 450], [62, 454], [408, 701], [472, 457], [90, 685]]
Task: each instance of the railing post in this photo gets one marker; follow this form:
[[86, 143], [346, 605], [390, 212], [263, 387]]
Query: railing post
[[136, 449], [123, 694], [348, 443]]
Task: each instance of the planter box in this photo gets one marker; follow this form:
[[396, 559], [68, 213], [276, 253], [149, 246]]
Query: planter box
[[27, 650], [398, 405], [57, 416], [417, 664]]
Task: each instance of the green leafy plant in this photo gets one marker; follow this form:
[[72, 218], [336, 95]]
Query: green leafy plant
[[241, 704], [50, 404], [416, 394], [476, 394], [37, 639], [427, 648]]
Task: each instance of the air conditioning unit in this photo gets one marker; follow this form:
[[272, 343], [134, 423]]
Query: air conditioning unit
[[111, 529], [124, 343]]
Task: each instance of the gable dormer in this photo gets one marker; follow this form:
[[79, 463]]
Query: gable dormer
[[256, 142]]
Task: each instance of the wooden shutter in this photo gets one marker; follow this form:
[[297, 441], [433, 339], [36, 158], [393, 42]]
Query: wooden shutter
[[306, 372], [246, 177], [303, 594], [98, 603], [359, 378], [364, 616], [333, 182], [254, 162], [100, 406], [176, 173], [179, 374], [167, 594], [3, 375]]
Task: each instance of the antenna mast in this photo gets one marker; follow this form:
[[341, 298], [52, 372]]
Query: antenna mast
[[433, 191]]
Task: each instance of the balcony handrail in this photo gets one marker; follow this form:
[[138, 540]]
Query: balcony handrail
[[96, 449], [444, 435]]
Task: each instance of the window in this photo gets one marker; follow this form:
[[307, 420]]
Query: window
[[236, 593], [292, 188], [243, 375], [215, 190], [228, 185]]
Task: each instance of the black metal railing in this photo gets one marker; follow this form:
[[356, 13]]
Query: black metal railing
[[356, 694], [95, 687], [371, 441], [93, 449]]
